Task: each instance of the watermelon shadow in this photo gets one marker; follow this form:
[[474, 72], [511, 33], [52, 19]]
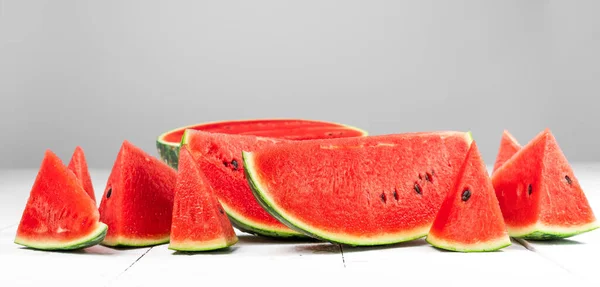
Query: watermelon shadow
[[90, 251], [555, 242], [407, 244], [257, 239], [224, 251]]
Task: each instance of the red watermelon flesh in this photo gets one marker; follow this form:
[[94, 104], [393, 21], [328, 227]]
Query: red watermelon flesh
[[59, 214], [137, 203], [539, 195], [220, 160], [358, 191], [508, 147], [78, 165], [199, 222], [470, 218]]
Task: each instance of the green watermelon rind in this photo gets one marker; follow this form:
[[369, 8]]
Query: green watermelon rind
[[94, 238], [202, 246], [488, 246], [542, 232], [270, 207], [136, 242]]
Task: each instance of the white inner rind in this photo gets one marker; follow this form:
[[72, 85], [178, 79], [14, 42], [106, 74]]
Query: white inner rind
[[489, 245], [57, 244], [191, 245], [551, 229], [122, 240], [258, 226]]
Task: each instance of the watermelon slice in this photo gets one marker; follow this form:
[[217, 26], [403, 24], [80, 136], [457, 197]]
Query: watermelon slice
[[291, 129], [199, 222], [220, 159], [59, 215], [508, 147], [358, 191], [78, 165], [539, 195], [137, 203], [470, 219]]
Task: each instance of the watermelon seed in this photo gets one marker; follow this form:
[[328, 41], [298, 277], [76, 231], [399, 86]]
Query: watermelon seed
[[418, 188], [221, 211], [420, 177], [466, 194], [109, 192], [225, 163], [383, 197], [569, 181], [428, 177], [529, 189], [395, 194], [235, 164]]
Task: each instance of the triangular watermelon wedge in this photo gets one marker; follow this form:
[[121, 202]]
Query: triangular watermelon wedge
[[508, 147], [199, 221], [78, 165], [59, 215], [539, 195], [470, 219], [137, 203]]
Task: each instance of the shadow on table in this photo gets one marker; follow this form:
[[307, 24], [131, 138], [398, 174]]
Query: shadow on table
[[93, 250], [224, 251], [555, 242], [412, 243]]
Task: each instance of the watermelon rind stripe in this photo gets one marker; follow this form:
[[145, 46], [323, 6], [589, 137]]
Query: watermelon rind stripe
[[192, 246], [484, 246], [261, 194], [256, 228], [121, 241], [92, 239], [540, 231]]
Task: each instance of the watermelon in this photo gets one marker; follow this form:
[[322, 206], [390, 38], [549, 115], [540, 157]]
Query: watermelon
[[508, 147], [220, 159], [358, 191], [78, 165], [292, 129], [59, 215], [199, 222], [539, 195], [470, 219], [137, 203]]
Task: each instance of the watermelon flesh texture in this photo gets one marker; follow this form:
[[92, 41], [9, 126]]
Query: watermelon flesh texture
[[59, 215], [291, 129], [137, 203], [358, 191], [78, 165], [508, 147], [539, 195], [470, 219], [199, 222], [219, 157]]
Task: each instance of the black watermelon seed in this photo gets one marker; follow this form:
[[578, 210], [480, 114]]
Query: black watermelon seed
[[383, 197], [466, 194], [235, 164], [428, 177], [529, 189], [221, 211], [420, 177], [395, 195], [225, 163], [418, 188], [109, 192], [569, 181]]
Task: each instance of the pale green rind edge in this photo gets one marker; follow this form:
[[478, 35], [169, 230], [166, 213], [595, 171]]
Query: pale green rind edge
[[258, 193], [93, 239], [549, 234], [200, 247], [122, 242], [466, 248]]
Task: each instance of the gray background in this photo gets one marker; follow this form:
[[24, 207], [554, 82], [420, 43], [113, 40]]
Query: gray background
[[94, 73]]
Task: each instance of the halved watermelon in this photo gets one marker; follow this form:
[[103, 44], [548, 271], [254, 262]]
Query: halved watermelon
[[220, 159], [358, 191], [292, 129], [470, 219], [199, 222], [137, 203], [59, 215], [78, 165], [508, 147], [539, 195]]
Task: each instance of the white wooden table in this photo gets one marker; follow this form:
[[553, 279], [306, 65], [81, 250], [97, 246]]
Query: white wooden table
[[258, 261]]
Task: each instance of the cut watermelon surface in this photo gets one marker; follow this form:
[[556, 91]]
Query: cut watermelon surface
[[78, 165], [292, 129], [358, 191], [508, 147], [137, 204], [539, 195], [470, 219], [59, 215], [219, 158], [199, 222]]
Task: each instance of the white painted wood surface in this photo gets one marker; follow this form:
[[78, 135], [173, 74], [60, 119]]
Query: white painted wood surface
[[258, 261]]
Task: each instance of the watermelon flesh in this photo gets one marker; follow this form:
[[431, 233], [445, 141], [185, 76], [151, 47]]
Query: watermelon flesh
[[291, 129], [539, 195], [470, 219], [358, 191], [199, 222], [137, 203], [59, 215], [508, 147], [78, 165], [220, 160]]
